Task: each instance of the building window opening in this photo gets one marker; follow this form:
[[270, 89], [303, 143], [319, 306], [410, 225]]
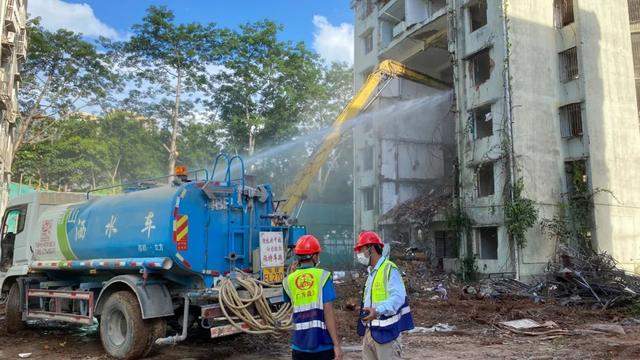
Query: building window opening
[[487, 241], [446, 245], [368, 7], [367, 158], [569, 65], [576, 176], [634, 11], [482, 122], [485, 181], [368, 42], [563, 13], [478, 14], [571, 120], [367, 198], [635, 49], [480, 67]]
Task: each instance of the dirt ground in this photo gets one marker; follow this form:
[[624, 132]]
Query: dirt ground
[[476, 335]]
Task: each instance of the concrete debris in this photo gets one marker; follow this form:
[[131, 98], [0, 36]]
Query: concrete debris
[[630, 321], [420, 210], [521, 324], [435, 328], [441, 290], [608, 328], [469, 290]]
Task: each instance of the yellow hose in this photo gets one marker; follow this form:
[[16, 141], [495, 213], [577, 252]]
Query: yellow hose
[[230, 301]]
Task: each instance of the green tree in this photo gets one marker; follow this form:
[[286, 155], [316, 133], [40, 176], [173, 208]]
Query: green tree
[[72, 158], [62, 74], [168, 62], [85, 152], [336, 89], [134, 144], [265, 86], [198, 144]]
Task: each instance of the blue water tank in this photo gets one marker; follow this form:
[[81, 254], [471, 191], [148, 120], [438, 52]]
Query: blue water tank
[[203, 227]]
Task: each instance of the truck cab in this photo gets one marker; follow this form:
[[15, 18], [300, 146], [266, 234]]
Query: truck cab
[[19, 227]]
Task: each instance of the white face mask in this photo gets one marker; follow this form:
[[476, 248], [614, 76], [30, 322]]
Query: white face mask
[[363, 258]]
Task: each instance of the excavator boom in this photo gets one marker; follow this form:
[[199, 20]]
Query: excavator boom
[[296, 192]]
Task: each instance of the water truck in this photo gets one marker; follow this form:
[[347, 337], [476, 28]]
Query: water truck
[[197, 250]]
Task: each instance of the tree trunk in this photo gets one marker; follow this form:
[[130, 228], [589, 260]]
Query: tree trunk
[[115, 171], [252, 140], [173, 146], [25, 124]]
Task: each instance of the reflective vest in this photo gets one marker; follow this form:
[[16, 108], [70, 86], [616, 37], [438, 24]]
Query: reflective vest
[[304, 288], [386, 328]]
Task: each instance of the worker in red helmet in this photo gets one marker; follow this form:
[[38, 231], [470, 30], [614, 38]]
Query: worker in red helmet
[[384, 308], [310, 291]]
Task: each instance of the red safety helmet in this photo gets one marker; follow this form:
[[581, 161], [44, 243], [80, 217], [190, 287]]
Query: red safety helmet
[[368, 238], [307, 245]]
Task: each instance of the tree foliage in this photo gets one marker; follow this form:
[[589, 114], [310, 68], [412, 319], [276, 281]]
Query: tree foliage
[[264, 87], [166, 61], [86, 152], [190, 89], [63, 74], [520, 214]]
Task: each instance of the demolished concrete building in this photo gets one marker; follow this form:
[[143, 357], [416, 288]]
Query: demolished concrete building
[[543, 96]]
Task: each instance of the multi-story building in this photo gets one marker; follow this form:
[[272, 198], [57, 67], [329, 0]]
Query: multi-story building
[[13, 50], [543, 96], [634, 23]]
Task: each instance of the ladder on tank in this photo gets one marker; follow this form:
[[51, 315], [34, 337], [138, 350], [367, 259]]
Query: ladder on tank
[[234, 232]]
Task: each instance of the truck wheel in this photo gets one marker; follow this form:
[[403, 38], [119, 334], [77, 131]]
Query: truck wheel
[[123, 332], [13, 318]]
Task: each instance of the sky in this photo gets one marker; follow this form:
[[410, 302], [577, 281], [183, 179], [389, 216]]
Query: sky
[[324, 25]]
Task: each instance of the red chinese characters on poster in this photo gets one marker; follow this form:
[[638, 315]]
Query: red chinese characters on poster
[[271, 249]]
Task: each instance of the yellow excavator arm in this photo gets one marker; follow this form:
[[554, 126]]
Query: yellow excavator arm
[[296, 192]]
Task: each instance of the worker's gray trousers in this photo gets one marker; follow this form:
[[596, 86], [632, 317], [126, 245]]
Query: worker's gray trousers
[[371, 350]]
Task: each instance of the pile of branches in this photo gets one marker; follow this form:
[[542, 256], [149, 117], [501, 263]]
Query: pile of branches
[[577, 277], [585, 277]]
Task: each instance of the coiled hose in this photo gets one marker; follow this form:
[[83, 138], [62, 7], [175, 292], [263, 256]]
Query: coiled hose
[[232, 305]]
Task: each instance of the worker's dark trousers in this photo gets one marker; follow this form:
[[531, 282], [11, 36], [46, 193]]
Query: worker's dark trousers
[[321, 355]]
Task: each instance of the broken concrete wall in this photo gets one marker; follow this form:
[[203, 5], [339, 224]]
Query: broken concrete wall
[[411, 152]]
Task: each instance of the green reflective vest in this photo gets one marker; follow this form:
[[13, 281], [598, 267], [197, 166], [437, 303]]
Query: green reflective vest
[[379, 291]]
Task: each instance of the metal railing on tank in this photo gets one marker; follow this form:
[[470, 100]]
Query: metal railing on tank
[[229, 165]]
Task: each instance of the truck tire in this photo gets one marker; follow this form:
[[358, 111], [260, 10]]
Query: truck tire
[[13, 317], [123, 332]]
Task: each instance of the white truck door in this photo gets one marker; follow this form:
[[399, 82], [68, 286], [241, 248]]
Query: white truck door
[[13, 244]]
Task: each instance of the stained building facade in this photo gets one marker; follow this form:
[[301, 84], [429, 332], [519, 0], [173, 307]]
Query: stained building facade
[[13, 51], [544, 99]]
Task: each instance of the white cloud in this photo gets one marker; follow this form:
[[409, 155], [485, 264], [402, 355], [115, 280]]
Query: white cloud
[[333, 43], [57, 14]]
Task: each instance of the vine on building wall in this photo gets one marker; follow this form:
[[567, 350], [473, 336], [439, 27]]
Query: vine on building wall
[[459, 221], [469, 269], [520, 214], [573, 223]]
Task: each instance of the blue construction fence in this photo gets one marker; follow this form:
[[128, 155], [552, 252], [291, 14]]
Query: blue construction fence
[[332, 224]]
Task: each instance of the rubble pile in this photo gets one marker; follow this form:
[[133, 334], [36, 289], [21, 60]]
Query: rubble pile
[[582, 277], [420, 210], [578, 277]]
